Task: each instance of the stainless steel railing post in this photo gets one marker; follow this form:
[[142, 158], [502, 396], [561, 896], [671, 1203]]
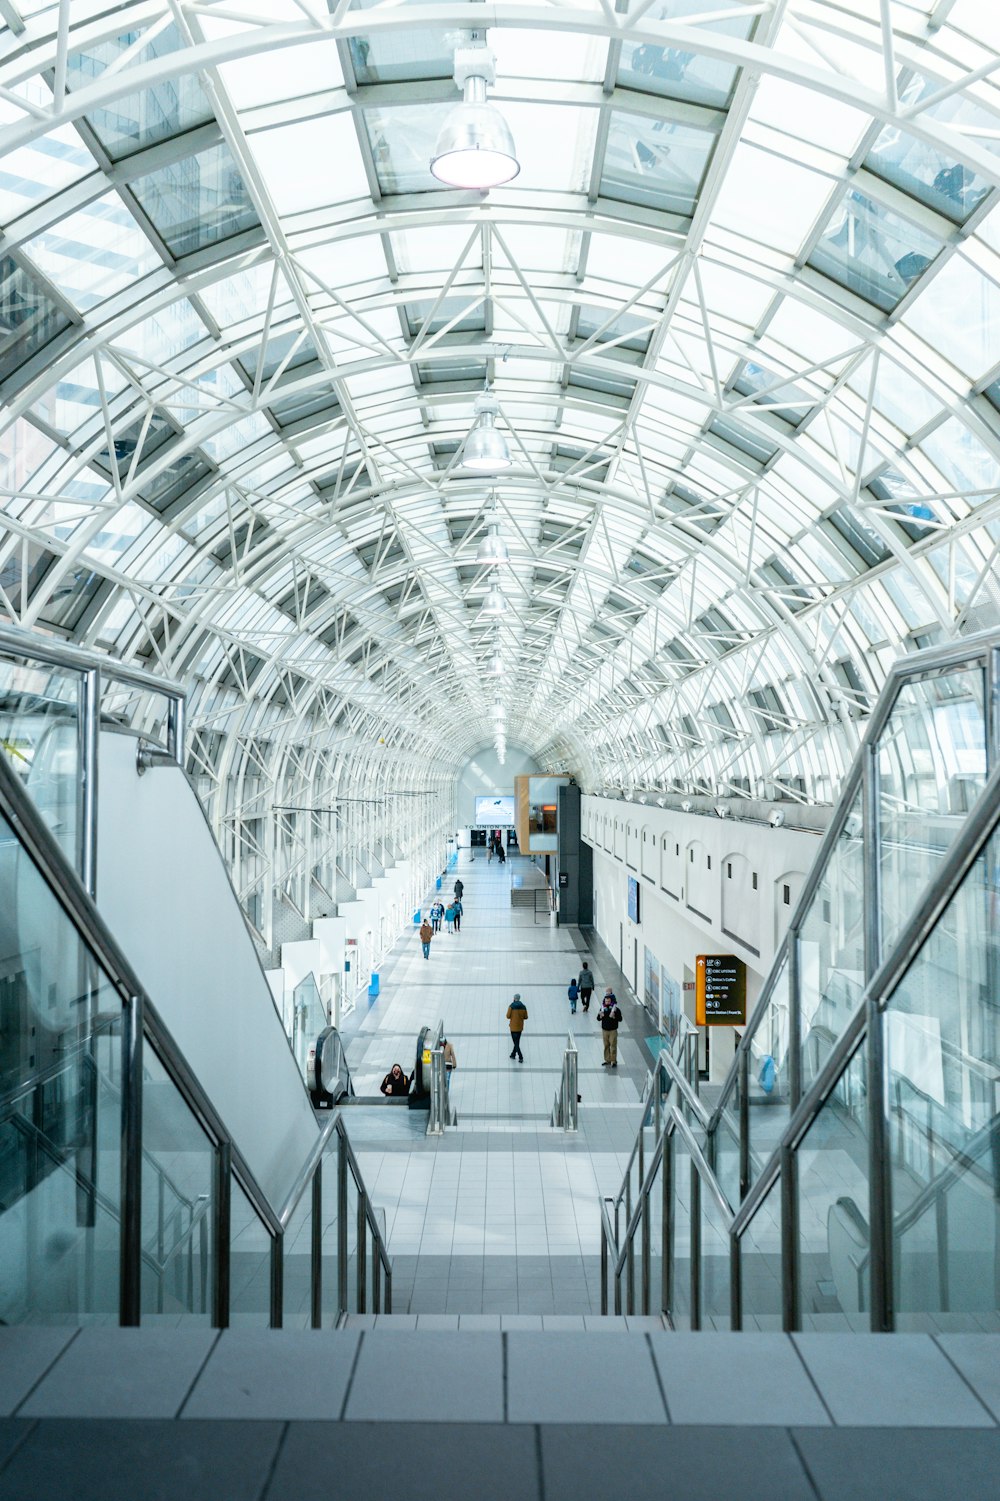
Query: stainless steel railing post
[[341, 1222], [362, 1230], [130, 1228], [221, 1291], [694, 1238], [316, 1249], [89, 734]]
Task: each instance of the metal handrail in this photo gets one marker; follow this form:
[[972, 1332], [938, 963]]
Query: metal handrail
[[565, 1109], [141, 1023], [886, 971]]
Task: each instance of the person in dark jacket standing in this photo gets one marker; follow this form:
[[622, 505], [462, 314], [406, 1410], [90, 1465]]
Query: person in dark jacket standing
[[610, 1016], [585, 983], [395, 1082], [459, 888], [517, 1015]]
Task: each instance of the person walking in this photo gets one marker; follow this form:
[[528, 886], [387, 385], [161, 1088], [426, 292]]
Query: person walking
[[458, 915], [449, 916], [500, 854], [610, 1016], [585, 981], [450, 1061], [459, 888], [395, 1082], [573, 992], [426, 934], [517, 1015], [489, 857], [437, 913]]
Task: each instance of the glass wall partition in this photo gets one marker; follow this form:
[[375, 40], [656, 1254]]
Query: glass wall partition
[[250, 1245], [833, 1247], [178, 1200], [942, 1041], [760, 1265], [931, 759], [831, 948]]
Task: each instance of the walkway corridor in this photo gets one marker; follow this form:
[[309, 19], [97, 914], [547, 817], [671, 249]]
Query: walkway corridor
[[501, 1215]]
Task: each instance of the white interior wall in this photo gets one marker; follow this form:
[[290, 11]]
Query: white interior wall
[[697, 893], [484, 774]]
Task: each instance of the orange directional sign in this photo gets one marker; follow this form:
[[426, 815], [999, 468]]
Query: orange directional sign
[[720, 991]]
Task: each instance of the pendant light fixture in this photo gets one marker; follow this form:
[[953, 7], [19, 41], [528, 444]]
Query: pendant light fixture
[[492, 552], [495, 603], [475, 148], [485, 448]]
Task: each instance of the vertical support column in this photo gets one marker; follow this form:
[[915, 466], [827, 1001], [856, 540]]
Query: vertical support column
[[223, 1234], [667, 1225], [879, 1165], [89, 739], [735, 1284], [791, 1301], [362, 1232], [646, 1256], [342, 1170], [277, 1280], [604, 1267], [316, 1249], [130, 1229], [176, 719], [744, 1097], [694, 1237]]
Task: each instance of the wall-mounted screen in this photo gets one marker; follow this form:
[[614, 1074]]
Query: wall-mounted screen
[[633, 898], [495, 810]]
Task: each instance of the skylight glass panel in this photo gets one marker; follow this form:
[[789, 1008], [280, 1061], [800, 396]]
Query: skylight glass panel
[[197, 201], [873, 251], [770, 199], [685, 75], [29, 319], [959, 316], [403, 56], [783, 398], [295, 163], [313, 67], [940, 181], [964, 461], [31, 174], [94, 253], [655, 163], [139, 120]]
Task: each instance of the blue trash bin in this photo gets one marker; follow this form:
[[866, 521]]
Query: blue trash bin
[[416, 918], [437, 884], [373, 987]]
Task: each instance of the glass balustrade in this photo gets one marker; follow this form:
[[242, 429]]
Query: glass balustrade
[[832, 1211], [297, 1266], [768, 1075], [178, 1223], [831, 948], [760, 1265], [250, 1244], [942, 1041]]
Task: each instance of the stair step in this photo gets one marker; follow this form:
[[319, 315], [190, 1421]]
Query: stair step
[[539, 1323]]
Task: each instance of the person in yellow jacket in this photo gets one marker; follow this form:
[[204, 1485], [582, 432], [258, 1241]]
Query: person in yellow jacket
[[517, 1015]]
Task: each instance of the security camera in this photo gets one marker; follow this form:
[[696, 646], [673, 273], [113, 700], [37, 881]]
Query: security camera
[[722, 810], [686, 805]]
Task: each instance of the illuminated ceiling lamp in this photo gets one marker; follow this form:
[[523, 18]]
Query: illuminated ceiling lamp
[[485, 448], [494, 668], [495, 603], [475, 148]]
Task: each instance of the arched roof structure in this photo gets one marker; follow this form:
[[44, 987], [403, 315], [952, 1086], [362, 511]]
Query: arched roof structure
[[740, 311]]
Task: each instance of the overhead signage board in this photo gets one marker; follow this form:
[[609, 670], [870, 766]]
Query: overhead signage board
[[720, 991], [633, 899]]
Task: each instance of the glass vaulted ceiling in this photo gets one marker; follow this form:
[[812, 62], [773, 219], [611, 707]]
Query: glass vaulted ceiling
[[740, 309]]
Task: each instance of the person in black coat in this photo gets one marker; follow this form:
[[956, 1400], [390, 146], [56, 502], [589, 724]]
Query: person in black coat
[[395, 1082]]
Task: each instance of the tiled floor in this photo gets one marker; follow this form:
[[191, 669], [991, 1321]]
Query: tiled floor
[[615, 1408], [502, 1215]]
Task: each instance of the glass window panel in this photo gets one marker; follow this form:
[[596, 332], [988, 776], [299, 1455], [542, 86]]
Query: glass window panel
[[832, 948], [873, 251], [681, 75], [833, 1244], [942, 1035], [655, 162], [396, 56], [33, 173], [60, 1136], [931, 769], [294, 161], [767, 1092], [197, 201], [760, 1265], [925, 172], [793, 193], [178, 1180], [959, 316], [29, 318], [39, 736], [139, 120], [249, 1265]]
